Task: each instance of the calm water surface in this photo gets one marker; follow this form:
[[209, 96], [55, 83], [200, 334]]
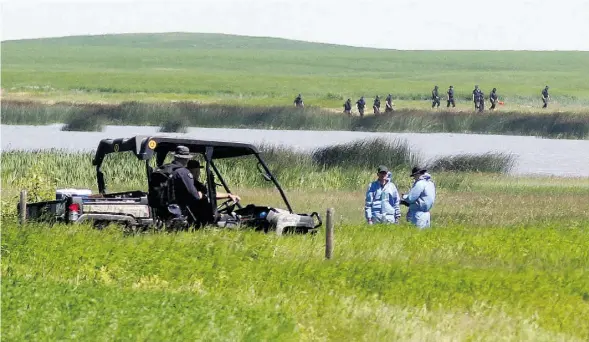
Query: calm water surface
[[556, 157]]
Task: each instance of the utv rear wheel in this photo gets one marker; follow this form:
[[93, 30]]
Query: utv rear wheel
[[100, 225]]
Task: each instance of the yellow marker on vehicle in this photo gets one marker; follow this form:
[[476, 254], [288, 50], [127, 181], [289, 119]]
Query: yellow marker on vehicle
[[151, 144]]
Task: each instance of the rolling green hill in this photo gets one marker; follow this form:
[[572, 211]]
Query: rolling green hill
[[183, 41], [271, 71]]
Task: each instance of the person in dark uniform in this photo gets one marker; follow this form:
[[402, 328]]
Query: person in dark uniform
[[475, 97], [389, 104], [361, 104], [299, 101], [481, 101], [376, 105], [435, 97], [202, 208], [185, 194], [493, 98], [451, 97], [348, 107], [545, 97]]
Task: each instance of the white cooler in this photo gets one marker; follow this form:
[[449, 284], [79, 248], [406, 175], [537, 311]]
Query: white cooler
[[61, 193]]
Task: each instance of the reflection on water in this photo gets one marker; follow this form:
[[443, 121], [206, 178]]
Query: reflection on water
[[534, 155]]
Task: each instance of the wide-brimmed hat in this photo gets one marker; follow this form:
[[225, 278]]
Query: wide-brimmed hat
[[183, 152], [417, 170]]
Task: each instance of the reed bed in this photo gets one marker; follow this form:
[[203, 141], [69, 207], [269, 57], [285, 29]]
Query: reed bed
[[177, 125], [345, 166], [360, 153], [83, 122], [488, 162], [553, 125]]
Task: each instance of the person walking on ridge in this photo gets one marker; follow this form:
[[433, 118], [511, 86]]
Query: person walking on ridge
[[435, 98], [348, 107], [475, 97], [299, 101], [376, 105], [361, 104], [493, 98], [481, 101], [389, 104], [545, 97], [451, 97]]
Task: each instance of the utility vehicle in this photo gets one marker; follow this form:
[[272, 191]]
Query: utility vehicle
[[138, 210]]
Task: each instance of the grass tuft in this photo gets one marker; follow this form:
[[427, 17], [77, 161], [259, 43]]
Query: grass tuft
[[177, 125], [492, 162], [83, 121], [367, 153]]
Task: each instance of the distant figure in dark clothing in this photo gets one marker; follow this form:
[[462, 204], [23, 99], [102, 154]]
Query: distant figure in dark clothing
[[493, 98], [348, 107], [545, 97], [389, 104], [435, 97], [451, 97], [475, 97], [376, 105], [481, 101], [299, 101], [361, 104]]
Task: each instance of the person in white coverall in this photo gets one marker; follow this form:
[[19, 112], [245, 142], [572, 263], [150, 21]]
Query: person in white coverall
[[420, 198], [382, 199]]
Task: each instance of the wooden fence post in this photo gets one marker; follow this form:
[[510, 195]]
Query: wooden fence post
[[23, 207], [329, 233]]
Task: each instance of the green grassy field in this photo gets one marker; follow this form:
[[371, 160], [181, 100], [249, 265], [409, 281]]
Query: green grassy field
[[265, 71], [505, 272], [384, 283], [506, 260]]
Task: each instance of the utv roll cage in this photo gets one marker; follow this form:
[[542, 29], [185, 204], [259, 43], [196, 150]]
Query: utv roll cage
[[147, 147]]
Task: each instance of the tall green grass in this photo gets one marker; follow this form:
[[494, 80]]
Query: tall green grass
[[358, 154], [174, 125], [345, 166], [384, 283], [488, 162], [83, 121], [506, 200], [555, 125]]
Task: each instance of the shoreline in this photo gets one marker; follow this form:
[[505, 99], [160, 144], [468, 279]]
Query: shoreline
[[93, 117]]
